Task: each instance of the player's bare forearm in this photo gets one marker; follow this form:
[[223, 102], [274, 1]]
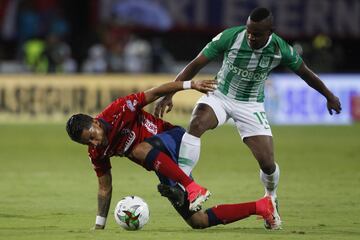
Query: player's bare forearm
[[104, 200], [165, 104], [104, 196], [314, 81], [203, 86], [333, 102], [192, 68]]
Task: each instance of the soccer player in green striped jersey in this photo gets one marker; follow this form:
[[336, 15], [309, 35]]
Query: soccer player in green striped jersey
[[249, 54]]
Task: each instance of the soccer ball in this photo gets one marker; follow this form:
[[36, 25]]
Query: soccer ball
[[131, 213]]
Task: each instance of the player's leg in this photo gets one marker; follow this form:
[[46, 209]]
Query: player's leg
[[153, 159], [250, 120], [254, 129], [220, 214], [202, 119], [228, 213], [208, 114], [263, 150], [166, 146]]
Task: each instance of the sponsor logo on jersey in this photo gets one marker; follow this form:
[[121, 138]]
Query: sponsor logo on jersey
[[245, 74], [131, 105], [264, 62], [150, 126], [130, 137]]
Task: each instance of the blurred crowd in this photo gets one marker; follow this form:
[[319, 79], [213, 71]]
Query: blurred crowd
[[130, 55], [116, 36], [43, 35]]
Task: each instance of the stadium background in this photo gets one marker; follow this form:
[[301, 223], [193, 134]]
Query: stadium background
[[61, 57]]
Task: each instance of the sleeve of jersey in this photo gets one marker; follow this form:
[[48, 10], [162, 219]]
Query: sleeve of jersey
[[135, 102], [132, 102], [218, 44], [140, 98], [101, 166], [290, 57]]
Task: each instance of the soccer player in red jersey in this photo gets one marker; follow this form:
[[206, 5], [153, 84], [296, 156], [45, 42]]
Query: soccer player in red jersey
[[124, 129]]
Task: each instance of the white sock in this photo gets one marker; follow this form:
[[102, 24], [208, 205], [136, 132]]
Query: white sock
[[271, 181], [189, 152]]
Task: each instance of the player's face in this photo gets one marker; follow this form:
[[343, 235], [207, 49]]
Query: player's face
[[258, 33], [95, 135]]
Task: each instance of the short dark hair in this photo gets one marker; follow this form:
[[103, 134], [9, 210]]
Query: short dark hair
[[259, 14], [76, 124]]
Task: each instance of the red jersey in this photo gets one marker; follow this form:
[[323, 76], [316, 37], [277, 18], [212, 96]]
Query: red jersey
[[126, 125]]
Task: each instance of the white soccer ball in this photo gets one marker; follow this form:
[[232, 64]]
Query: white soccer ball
[[132, 213]]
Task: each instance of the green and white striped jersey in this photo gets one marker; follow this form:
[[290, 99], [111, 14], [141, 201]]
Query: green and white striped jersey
[[244, 70]]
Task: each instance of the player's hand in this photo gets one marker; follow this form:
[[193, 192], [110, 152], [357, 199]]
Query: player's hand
[[333, 104], [164, 103], [204, 86]]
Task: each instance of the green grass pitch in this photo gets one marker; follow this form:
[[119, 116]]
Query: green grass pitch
[[48, 187]]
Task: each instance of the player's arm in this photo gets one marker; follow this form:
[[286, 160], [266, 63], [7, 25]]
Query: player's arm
[[186, 74], [203, 86], [104, 199], [216, 48], [218, 45], [193, 68], [333, 102]]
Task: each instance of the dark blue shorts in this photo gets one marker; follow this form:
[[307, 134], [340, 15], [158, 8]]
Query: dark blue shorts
[[168, 142]]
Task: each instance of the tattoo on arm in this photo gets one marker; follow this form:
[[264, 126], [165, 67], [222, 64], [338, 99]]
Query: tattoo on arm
[[104, 194], [104, 204]]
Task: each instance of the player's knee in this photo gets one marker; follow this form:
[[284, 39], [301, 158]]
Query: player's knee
[[203, 118], [198, 221], [140, 152], [198, 126]]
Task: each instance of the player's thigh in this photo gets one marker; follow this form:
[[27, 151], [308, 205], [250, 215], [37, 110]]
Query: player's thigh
[[250, 119], [262, 147], [168, 142], [139, 153], [208, 113]]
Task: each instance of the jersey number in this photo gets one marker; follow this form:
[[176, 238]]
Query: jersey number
[[261, 116]]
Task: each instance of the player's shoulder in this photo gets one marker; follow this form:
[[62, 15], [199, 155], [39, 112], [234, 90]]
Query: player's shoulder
[[139, 96], [135, 101], [278, 40], [133, 96], [132, 102], [234, 30], [229, 34]]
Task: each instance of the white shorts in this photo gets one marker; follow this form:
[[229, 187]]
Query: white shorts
[[249, 117]]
